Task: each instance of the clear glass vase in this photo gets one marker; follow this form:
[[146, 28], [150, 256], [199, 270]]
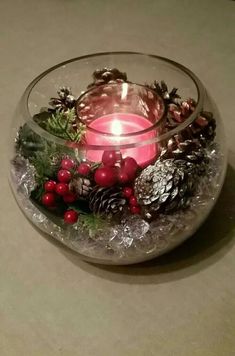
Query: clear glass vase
[[125, 167]]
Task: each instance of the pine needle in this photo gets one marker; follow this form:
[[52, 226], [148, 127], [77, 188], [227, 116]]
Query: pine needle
[[93, 223], [61, 124]]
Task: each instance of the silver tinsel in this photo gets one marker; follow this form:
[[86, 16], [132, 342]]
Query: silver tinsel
[[134, 239], [23, 174]]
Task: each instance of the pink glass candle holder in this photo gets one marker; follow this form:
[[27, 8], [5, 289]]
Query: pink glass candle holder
[[122, 116]]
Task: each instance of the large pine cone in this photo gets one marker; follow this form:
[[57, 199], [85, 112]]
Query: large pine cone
[[107, 76], [65, 101], [81, 186], [165, 186], [106, 200]]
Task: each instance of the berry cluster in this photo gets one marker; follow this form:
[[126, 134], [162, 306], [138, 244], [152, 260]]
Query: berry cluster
[[118, 170], [115, 170], [60, 188], [128, 193]]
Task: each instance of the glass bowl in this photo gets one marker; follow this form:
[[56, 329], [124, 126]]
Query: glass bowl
[[120, 156]]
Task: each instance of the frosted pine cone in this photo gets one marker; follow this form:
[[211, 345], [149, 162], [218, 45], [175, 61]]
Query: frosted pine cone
[[162, 90], [80, 186], [202, 128], [108, 76], [188, 150], [106, 200], [65, 101], [165, 186]]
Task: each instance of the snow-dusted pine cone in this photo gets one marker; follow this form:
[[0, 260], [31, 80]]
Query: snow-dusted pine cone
[[81, 186], [64, 101], [107, 76], [107, 201], [165, 186], [202, 128], [162, 90], [188, 150]]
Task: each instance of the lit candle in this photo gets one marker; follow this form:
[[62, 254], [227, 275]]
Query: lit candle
[[119, 129], [117, 115]]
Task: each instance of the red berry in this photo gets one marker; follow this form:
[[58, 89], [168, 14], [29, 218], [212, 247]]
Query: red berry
[[130, 165], [48, 199], [105, 176], [123, 177], [127, 192], [64, 176], [50, 185], [67, 163], [135, 209], [70, 197], [84, 169], [133, 201], [109, 158], [62, 189], [70, 217]]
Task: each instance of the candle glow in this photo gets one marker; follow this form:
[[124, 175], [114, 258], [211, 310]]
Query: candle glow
[[121, 129]]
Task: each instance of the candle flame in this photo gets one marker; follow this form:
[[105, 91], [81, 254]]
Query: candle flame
[[116, 128], [124, 91]]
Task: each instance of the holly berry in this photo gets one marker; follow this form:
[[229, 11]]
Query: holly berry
[[105, 176], [130, 165], [67, 163], [64, 176], [110, 158], [50, 185], [48, 199], [69, 197], [62, 189], [70, 216], [135, 209], [127, 192], [133, 201], [84, 169], [123, 177]]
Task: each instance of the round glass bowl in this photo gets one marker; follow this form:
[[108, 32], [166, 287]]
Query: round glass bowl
[[109, 158]]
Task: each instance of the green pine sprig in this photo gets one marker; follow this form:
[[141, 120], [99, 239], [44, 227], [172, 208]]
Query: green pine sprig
[[92, 223], [27, 142], [61, 124], [42, 161]]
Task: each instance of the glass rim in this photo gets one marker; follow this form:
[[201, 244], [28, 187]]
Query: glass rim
[[60, 141]]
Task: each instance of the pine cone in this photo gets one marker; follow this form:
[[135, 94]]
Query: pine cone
[[179, 112], [202, 128], [162, 90], [107, 76], [55, 161], [81, 186], [106, 200], [65, 100], [165, 186], [188, 150]]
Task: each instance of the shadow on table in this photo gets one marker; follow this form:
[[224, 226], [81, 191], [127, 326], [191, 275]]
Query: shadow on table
[[205, 247]]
